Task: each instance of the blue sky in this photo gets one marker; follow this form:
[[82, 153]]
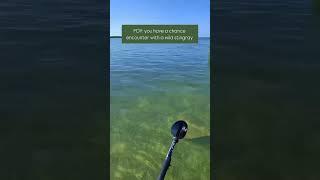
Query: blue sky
[[160, 12]]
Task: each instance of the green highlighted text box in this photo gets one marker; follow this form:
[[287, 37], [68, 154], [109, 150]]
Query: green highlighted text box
[[159, 33]]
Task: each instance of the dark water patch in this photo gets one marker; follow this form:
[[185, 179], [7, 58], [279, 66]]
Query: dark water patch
[[266, 96], [53, 120], [203, 140]]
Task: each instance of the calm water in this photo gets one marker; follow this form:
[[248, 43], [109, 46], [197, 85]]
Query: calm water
[[52, 100], [266, 90], [152, 86], [53, 122]]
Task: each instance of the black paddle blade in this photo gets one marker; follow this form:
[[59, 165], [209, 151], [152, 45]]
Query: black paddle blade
[[179, 129]]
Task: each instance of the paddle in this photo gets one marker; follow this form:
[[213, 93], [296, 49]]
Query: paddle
[[178, 131]]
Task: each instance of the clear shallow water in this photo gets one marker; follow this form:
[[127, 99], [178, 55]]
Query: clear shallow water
[[152, 86], [50, 54]]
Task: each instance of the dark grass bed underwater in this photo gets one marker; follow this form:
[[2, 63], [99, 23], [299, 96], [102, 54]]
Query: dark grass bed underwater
[[152, 86]]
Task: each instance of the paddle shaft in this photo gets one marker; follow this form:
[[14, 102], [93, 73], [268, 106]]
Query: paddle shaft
[[166, 163]]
